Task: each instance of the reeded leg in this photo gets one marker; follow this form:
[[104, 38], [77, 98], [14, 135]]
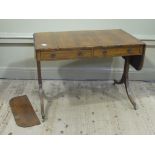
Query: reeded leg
[[40, 90], [124, 80]]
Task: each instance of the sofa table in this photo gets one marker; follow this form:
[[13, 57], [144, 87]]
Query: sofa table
[[53, 46]]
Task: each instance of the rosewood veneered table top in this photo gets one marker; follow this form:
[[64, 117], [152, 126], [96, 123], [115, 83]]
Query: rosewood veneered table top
[[84, 39]]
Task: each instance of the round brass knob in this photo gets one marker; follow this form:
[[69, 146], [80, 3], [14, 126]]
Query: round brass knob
[[53, 55], [104, 51], [80, 54], [129, 50]]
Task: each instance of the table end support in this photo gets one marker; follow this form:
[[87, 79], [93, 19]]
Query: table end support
[[125, 80], [41, 92]]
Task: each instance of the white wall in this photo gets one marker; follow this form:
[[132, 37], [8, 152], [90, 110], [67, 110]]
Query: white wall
[[17, 53]]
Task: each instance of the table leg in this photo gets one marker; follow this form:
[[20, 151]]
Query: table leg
[[41, 93], [125, 80]]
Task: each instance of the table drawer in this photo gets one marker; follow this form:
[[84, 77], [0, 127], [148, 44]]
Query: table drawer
[[60, 55], [119, 51]]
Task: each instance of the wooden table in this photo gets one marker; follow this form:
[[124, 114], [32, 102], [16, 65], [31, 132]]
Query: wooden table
[[51, 46]]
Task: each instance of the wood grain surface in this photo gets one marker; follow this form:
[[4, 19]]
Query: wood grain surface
[[83, 39], [23, 112]]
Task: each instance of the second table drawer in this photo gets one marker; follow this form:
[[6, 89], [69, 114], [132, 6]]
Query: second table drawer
[[119, 51]]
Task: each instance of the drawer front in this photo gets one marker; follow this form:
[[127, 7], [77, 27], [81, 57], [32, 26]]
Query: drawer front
[[119, 51], [60, 55]]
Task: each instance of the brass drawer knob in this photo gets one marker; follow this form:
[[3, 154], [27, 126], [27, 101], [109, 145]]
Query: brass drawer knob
[[80, 54], [53, 55], [104, 51], [129, 50]]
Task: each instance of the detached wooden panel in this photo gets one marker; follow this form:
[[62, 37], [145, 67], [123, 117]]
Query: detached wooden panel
[[23, 112]]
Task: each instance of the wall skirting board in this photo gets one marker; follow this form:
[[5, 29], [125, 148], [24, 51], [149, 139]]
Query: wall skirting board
[[70, 73], [76, 73], [28, 37]]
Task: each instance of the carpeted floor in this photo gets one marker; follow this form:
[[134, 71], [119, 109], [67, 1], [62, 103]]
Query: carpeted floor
[[82, 107]]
